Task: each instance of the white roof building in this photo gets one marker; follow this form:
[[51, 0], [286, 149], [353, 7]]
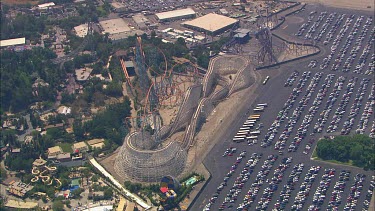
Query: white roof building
[[176, 14], [46, 5], [13, 42], [212, 23]]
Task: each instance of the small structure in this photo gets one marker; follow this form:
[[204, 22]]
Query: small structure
[[83, 74], [130, 68], [64, 110], [54, 151], [176, 14], [63, 157], [39, 162], [96, 143], [28, 139], [19, 188], [81, 30], [80, 147]]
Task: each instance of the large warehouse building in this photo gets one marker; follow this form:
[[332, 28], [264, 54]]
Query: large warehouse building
[[176, 14], [117, 29], [211, 23]]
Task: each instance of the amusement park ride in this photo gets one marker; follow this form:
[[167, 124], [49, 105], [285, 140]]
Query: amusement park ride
[[157, 88]]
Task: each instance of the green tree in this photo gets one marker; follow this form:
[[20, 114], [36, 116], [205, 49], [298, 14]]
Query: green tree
[[58, 206]]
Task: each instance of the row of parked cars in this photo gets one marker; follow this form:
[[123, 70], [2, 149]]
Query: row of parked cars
[[338, 189], [370, 191], [337, 41], [221, 186], [282, 115], [257, 184], [355, 192], [356, 106], [276, 179], [305, 188], [321, 192], [343, 50], [287, 189], [315, 25], [307, 120]]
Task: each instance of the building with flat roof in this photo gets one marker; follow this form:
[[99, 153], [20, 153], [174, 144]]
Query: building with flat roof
[[13, 42], [63, 157], [118, 7], [83, 74], [176, 14], [141, 21], [211, 23], [80, 147], [53, 151], [116, 28], [96, 143], [19, 188], [81, 30], [46, 5]]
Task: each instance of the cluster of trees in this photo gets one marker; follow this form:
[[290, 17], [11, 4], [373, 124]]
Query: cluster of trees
[[358, 148], [23, 25], [18, 72], [109, 124]]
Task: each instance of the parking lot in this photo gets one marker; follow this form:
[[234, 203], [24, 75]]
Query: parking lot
[[310, 102]]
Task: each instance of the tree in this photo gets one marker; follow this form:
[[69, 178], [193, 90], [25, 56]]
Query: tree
[[58, 206], [108, 193]]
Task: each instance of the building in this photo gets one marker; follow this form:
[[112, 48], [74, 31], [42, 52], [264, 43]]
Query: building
[[46, 5], [242, 35], [13, 42], [19, 188], [130, 68], [176, 14], [83, 74], [81, 30], [116, 28], [141, 21], [80, 147], [39, 162], [63, 157], [118, 7], [54, 151], [96, 143], [211, 23], [64, 110]]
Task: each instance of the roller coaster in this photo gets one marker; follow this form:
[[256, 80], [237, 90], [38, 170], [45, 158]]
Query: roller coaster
[[147, 157]]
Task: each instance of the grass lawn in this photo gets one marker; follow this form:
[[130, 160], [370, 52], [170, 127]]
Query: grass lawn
[[66, 147]]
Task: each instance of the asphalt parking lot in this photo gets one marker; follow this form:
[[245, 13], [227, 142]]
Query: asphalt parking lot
[[309, 102]]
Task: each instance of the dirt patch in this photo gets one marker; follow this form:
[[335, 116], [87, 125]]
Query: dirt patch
[[19, 2]]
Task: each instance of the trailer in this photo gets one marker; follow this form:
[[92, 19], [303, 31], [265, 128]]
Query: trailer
[[262, 104]]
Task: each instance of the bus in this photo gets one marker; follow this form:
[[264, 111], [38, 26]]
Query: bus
[[248, 125], [237, 140], [245, 128], [257, 132], [258, 109], [251, 121], [252, 137], [243, 131], [262, 104], [266, 79], [255, 117]]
